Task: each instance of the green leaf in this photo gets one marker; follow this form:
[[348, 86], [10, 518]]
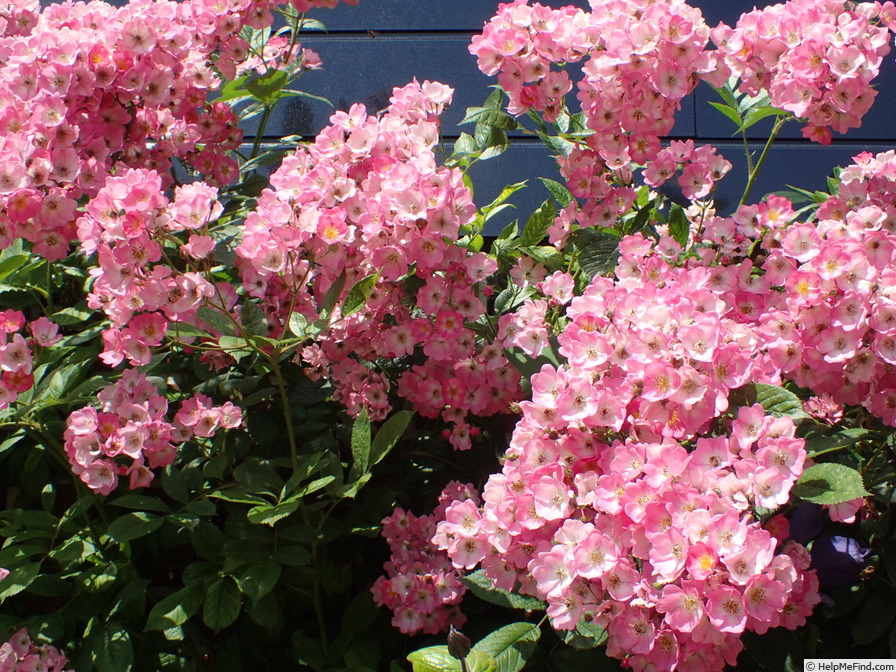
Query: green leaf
[[489, 116], [176, 609], [464, 146], [875, 616], [217, 320], [492, 141], [12, 440], [510, 231], [510, 646], [820, 443], [221, 605], [829, 483], [757, 114], [481, 586], [253, 319], [298, 325], [269, 514], [19, 579], [437, 659], [598, 252], [266, 87], [778, 401], [259, 579], [12, 263], [729, 112], [388, 435], [511, 297], [141, 503], [361, 443], [133, 526], [586, 635], [233, 89], [112, 650], [308, 651], [561, 146], [235, 347], [357, 296], [506, 193], [559, 191], [679, 227], [538, 224], [313, 486], [73, 315], [332, 297]]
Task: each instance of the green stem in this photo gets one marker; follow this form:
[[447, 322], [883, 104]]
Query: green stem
[[779, 122], [259, 134], [747, 152], [294, 35], [287, 411], [50, 310]]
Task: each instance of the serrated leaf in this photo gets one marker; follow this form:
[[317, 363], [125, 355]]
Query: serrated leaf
[[74, 315], [176, 609], [259, 579], [679, 227], [12, 263], [539, 223], [829, 483], [729, 112], [141, 503], [586, 635], [465, 145], [332, 297], [221, 605], [489, 116], [559, 191], [510, 646], [388, 435], [298, 325], [437, 659], [361, 443], [357, 296], [778, 401], [506, 193], [559, 145], [510, 231], [19, 579], [481, 586], [233, 89], [757, 114], [133, 526], [266, 87], [217, 320], [253, 319], [818, 443], [598, 252], [511, 297], [269, 514], [112, 650]]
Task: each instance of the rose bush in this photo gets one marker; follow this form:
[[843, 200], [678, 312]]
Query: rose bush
[[661, 430]]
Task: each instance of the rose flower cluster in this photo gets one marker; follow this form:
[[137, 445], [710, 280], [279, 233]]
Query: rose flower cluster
[[367, 203], [129, 435]]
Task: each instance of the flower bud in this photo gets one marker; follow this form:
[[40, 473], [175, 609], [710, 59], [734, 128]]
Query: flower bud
[[458, 644]]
